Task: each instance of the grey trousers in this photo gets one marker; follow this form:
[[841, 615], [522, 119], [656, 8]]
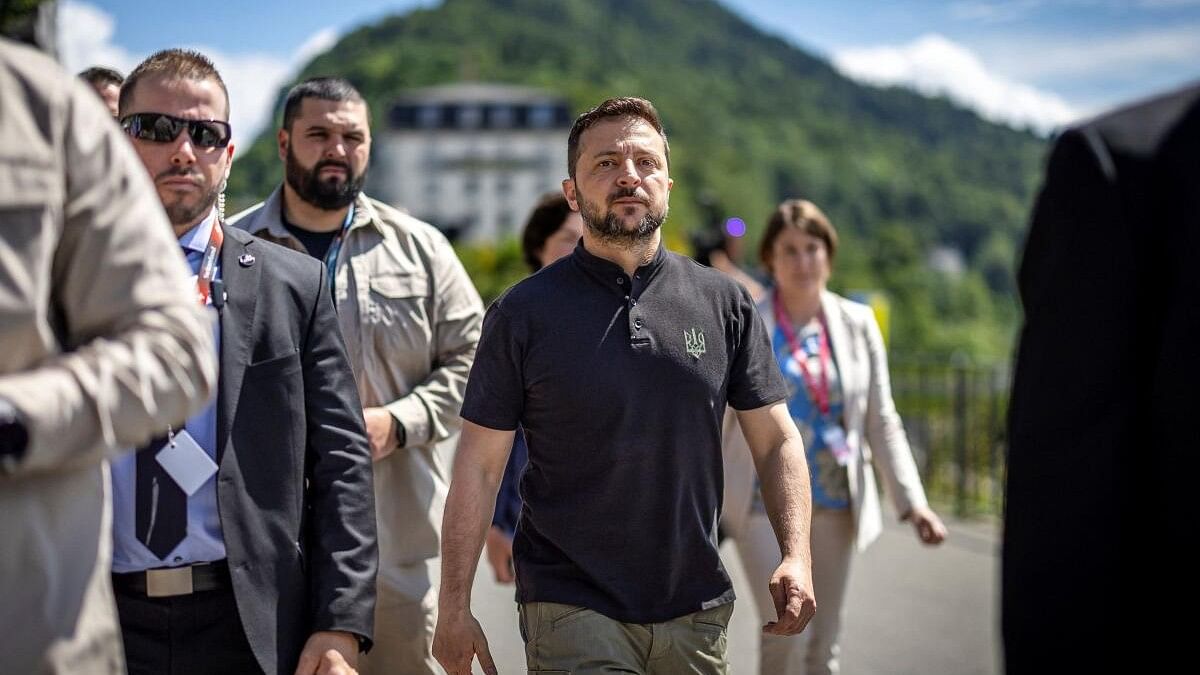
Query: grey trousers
[[570, 639]]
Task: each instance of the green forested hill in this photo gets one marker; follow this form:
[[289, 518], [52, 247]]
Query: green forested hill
[[752, 119]]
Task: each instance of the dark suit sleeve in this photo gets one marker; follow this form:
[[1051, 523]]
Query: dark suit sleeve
[[1075, 378], [341, 527]]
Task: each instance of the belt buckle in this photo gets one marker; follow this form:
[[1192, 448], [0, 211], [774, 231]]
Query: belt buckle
[[164, 583]]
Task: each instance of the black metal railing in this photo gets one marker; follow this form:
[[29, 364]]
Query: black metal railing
[[954, 413]]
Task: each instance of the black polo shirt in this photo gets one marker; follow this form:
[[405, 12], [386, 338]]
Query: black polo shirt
[[620, 385]]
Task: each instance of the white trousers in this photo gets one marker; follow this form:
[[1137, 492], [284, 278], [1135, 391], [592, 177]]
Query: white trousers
[[815, 651]]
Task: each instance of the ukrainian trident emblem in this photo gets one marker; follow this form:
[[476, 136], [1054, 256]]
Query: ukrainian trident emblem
[[694, 341]]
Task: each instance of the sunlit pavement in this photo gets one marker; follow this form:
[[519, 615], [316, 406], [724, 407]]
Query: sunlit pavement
[[911, 610]]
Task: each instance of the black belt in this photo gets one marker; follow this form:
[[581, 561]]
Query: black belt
[[170, 581]]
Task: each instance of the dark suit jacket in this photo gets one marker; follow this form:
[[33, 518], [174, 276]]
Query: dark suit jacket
[[1104, 421], [295, 486]]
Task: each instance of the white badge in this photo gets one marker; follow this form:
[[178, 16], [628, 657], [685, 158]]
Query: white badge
[[186, 462], [835, 439]]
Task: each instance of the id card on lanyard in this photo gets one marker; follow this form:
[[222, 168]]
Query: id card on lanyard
[[208, 264], [817, 386], [335, 247]]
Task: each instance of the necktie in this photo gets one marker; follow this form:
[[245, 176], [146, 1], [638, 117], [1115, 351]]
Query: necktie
[[161, 504]]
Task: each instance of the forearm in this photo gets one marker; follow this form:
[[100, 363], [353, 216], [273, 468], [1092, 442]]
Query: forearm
[[466, 521], [787, 496]]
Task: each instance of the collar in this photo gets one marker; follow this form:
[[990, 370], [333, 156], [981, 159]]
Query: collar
[[594, 263], [196, 239], [270, 218], [610, 275]]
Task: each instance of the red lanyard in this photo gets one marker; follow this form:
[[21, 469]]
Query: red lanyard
[[208, 264], [818, 389]]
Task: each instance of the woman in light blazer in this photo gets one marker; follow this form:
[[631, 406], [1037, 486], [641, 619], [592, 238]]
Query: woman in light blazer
[[832, 356]]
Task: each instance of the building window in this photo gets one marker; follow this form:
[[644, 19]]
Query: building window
[[541, 116], [428, 117], [470, 117], [502, 117]]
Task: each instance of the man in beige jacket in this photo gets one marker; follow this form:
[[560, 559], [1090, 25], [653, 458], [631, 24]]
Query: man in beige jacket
[[102, 343], [411, 319]]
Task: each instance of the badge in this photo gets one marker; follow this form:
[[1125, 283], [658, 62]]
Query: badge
[[835, 440], [186, 462]]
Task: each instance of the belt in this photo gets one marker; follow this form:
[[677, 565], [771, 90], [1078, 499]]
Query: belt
[[170, 581]]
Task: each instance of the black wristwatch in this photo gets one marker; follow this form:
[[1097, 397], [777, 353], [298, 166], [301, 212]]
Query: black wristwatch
[[401, 434], [14, 436]]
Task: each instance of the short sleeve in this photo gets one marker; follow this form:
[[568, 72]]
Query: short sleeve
[[495, 396], [754, 378]]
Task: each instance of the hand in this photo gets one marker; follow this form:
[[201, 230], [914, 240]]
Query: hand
[[457, 639], [791, 589], [929, 527], [499, 554], [381, 432], [329, 652]]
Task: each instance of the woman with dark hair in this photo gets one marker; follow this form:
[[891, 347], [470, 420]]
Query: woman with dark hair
[[831, 353], [551, 232]]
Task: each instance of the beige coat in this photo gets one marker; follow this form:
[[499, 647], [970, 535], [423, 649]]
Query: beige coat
[[102, 345], [411, 318], [873, 428]]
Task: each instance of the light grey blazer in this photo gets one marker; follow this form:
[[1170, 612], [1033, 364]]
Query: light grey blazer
[[873, 428]]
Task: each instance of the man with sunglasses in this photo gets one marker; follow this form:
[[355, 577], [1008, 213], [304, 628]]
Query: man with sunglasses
[[245, 538], [411, 318]]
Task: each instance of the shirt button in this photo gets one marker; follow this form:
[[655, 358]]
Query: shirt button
[[620, 281], [178, 559], [637, 324]]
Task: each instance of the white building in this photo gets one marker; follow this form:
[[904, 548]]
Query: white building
[[471, 158]]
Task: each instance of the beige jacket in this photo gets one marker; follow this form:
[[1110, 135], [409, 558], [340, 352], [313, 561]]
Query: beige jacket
[[102, 345], [873, 427], [411, 318]]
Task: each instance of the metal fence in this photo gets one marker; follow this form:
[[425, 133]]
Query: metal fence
[[954, 414]]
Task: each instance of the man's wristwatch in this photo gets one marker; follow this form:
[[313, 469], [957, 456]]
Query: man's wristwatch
[[401, 434], [14, 437]]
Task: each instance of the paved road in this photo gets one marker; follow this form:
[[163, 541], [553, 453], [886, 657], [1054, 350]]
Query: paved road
[[911, 610]]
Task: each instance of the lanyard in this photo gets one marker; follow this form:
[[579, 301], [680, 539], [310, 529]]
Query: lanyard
[[818, 389], [208, 264], [335, 247]]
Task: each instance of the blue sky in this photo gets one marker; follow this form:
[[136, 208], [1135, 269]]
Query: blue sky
[[1039, 63]]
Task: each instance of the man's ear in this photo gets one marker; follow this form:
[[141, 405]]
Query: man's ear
[[282, 139], [568, 188]]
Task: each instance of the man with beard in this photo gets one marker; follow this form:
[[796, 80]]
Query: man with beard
[[618, 362], [245, 538], [411, 319]]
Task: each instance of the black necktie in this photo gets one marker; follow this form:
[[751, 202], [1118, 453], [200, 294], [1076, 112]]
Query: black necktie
[[161, 503]]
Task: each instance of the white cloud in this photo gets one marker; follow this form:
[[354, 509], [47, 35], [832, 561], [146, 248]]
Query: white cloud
[[85, 39], [319, 42], [252, 78], [933, 65]]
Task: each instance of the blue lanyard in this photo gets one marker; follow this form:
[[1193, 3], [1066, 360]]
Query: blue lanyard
[[335, 247]]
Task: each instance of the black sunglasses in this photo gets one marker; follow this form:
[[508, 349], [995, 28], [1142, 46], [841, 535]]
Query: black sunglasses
[[163, 128]]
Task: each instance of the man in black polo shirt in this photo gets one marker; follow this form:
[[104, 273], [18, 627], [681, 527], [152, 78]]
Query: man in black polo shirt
[[618, 361]]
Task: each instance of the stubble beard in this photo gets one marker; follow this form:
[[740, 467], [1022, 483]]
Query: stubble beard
[[182, 214], [610, 228]]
